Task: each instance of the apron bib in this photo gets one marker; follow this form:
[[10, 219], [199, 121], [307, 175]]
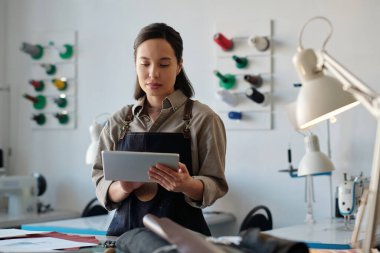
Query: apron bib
[[172, 205]]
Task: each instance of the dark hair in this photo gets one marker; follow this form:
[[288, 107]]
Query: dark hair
[[163, 31]]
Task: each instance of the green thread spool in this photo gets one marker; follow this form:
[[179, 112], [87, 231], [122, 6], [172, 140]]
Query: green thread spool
[[61, 101], [40, 118], [227, 81], [39, 102], [68, 53], [50, 69], [63, 118], [241, 62]]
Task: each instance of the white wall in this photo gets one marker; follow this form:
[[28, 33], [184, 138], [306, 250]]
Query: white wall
[[4, 94], [106, 77]]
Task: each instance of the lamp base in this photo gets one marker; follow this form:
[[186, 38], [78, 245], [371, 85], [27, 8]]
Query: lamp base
[[309, 219]]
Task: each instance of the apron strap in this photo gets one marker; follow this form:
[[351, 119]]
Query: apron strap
[[187, 117], [129, 117], [128, 120]]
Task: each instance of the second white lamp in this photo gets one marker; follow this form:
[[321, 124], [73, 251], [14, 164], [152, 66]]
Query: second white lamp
[[314, 161]]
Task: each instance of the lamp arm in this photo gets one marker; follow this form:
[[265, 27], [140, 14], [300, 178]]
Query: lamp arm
[[352, 84], [371, 100], [373, 195]]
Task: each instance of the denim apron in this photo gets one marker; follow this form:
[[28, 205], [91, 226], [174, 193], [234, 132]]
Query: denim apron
[[168, 204]]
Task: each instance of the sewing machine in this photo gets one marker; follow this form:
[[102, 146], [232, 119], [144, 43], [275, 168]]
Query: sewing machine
[[349, 194], [19, 195]]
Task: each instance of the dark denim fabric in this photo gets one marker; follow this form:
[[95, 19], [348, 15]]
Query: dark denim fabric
[[140, 240]]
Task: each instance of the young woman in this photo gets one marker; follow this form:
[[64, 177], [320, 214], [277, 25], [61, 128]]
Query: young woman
[[164, 119]]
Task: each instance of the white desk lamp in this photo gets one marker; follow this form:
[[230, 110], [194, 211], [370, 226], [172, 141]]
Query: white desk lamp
[[314, 162], [321, 97], [95, 130]]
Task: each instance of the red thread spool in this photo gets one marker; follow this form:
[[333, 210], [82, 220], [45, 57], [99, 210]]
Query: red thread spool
[[223, 42], [36, 84]]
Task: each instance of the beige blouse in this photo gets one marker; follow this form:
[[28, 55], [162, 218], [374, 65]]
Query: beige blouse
[[208, 144]]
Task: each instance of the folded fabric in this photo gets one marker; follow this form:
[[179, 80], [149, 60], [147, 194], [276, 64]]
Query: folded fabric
[[143, 240], [263, 243]]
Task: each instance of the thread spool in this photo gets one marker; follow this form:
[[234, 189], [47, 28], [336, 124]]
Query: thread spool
[[235, 115], [35, 51], [241, 62], [261, 43], [255, 80], [227, 97], [40, 118], [39, 101], [37, 85], [227, 81], [66, 51], [61, 101], [223, 42], [63, 117], [255, 95], [50, 69], [60, 84]]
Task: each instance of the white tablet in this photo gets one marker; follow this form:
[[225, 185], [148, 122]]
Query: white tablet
[[133, 166]]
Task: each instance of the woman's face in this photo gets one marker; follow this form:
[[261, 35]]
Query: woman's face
[[157, 68]]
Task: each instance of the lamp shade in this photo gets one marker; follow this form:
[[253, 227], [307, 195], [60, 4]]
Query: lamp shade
[[291, 113], [314, 161], [95, 130], [321, 97]]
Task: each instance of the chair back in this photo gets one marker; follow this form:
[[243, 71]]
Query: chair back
[[93, 208], [254, 219]]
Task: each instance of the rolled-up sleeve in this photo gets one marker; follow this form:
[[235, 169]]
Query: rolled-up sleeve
[[211, 145], [102, 185]]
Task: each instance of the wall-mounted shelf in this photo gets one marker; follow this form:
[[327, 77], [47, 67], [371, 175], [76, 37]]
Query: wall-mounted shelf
[[56, 115], [255, 116]]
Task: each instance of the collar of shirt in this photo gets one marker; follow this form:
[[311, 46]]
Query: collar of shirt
[[174, 101]]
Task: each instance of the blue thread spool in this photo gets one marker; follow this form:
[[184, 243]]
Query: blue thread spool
[[235, 115]]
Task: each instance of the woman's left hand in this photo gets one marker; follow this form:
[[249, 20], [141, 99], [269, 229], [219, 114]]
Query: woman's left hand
[[172, 180]]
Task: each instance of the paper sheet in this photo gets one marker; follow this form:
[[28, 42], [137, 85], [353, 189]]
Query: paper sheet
[[10, 232], [335, 251], [39, 244]]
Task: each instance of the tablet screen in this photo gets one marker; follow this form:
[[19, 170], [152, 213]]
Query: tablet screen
[[133, 166]]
